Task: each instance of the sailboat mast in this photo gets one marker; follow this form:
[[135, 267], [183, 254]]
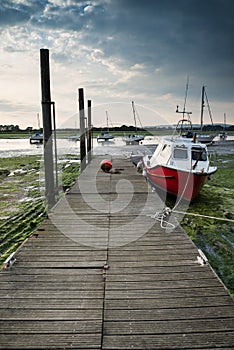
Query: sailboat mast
[[134, 115], [224, 117], [107, 123], [202, 105], [38, 122]]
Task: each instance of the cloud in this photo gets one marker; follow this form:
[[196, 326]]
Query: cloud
[[122, 48]]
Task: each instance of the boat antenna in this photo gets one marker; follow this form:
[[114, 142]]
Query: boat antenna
[[186, 94], [185, 101]]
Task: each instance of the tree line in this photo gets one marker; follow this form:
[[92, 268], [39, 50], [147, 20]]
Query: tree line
[[15, 128]]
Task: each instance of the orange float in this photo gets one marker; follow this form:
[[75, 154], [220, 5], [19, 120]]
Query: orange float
[[106, 165]]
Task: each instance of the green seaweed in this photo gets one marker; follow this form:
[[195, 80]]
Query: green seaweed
[[215, 237], [22, 206]]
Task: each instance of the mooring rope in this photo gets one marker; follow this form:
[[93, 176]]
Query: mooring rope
[[203, 216], [161, 216], [166, 212]]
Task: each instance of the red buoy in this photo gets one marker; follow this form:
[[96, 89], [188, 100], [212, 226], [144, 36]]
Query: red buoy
[[106, 165]]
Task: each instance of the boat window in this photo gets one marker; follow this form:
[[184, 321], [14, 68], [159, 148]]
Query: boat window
[[180, 152], [164, 146], [199, 153]]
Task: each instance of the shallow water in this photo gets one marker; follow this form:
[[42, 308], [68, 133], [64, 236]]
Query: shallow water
[[22, 147]]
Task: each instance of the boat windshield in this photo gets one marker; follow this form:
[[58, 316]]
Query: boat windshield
[[199, 153], [180, 152]]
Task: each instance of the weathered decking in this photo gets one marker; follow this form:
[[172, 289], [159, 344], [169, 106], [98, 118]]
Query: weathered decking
[[100, 274]]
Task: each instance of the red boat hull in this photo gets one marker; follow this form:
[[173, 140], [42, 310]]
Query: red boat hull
[[179, 183]]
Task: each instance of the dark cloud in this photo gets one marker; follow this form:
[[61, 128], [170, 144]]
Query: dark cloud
[[178, 38], [14, 13]]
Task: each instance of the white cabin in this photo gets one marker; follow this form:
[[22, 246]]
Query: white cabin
[[181, 154]]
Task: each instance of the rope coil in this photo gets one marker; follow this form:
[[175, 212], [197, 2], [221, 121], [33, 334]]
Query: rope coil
[[162, 217]]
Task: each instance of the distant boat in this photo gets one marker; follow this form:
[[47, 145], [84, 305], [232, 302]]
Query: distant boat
[[223, 134], [74, 138], [133, 138], [205, 138], [36, 138], [200, 137], [179, 166], [105, 135]]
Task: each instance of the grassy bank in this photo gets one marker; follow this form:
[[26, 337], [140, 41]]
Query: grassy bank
[[21, 199], [15, 135]]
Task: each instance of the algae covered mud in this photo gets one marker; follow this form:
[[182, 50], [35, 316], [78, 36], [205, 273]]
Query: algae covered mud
[[215, 236], [22, 201]]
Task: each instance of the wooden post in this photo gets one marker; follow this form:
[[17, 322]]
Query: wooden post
[[47, 127], [89, 134], [82, 130]]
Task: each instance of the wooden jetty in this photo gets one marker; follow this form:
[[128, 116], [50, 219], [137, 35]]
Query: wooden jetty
[[100, 274]]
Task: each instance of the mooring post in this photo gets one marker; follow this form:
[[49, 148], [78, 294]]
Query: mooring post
[[82, 130], [47, 127], [89, 134]]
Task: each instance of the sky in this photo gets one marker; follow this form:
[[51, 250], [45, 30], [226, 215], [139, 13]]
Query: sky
[[118, 51]]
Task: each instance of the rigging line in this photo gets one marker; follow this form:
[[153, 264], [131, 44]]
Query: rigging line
[[138, 117], [203, 216], [208, 106], [185, 187]]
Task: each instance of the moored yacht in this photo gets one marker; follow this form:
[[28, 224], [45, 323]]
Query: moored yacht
[[178, 166]]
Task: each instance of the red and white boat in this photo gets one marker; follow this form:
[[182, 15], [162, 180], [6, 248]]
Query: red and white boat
[[178, 166]]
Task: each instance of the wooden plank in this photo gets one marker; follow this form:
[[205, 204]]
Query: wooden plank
[[51, 326], [53, 314], [167, 302], [180, 313], [52, 341], [64, 301], [183, 340], [165, 293], [168, 326], [58, 294]]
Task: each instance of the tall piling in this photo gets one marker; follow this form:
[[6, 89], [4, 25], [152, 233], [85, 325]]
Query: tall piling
[[82, 129], [89, 133], [47, 127]]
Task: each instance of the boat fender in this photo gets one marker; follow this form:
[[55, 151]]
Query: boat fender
[[106, 165], [144, 173], [140, 166]]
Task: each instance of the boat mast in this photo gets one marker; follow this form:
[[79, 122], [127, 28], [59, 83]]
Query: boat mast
[[38, 122], [134, 114], [107, 121], [224, 119], [202, 105]]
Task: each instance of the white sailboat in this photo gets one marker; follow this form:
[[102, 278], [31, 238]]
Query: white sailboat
[[223, 134], [105, 135], [205, 138], [200, 137], [133, 138]]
